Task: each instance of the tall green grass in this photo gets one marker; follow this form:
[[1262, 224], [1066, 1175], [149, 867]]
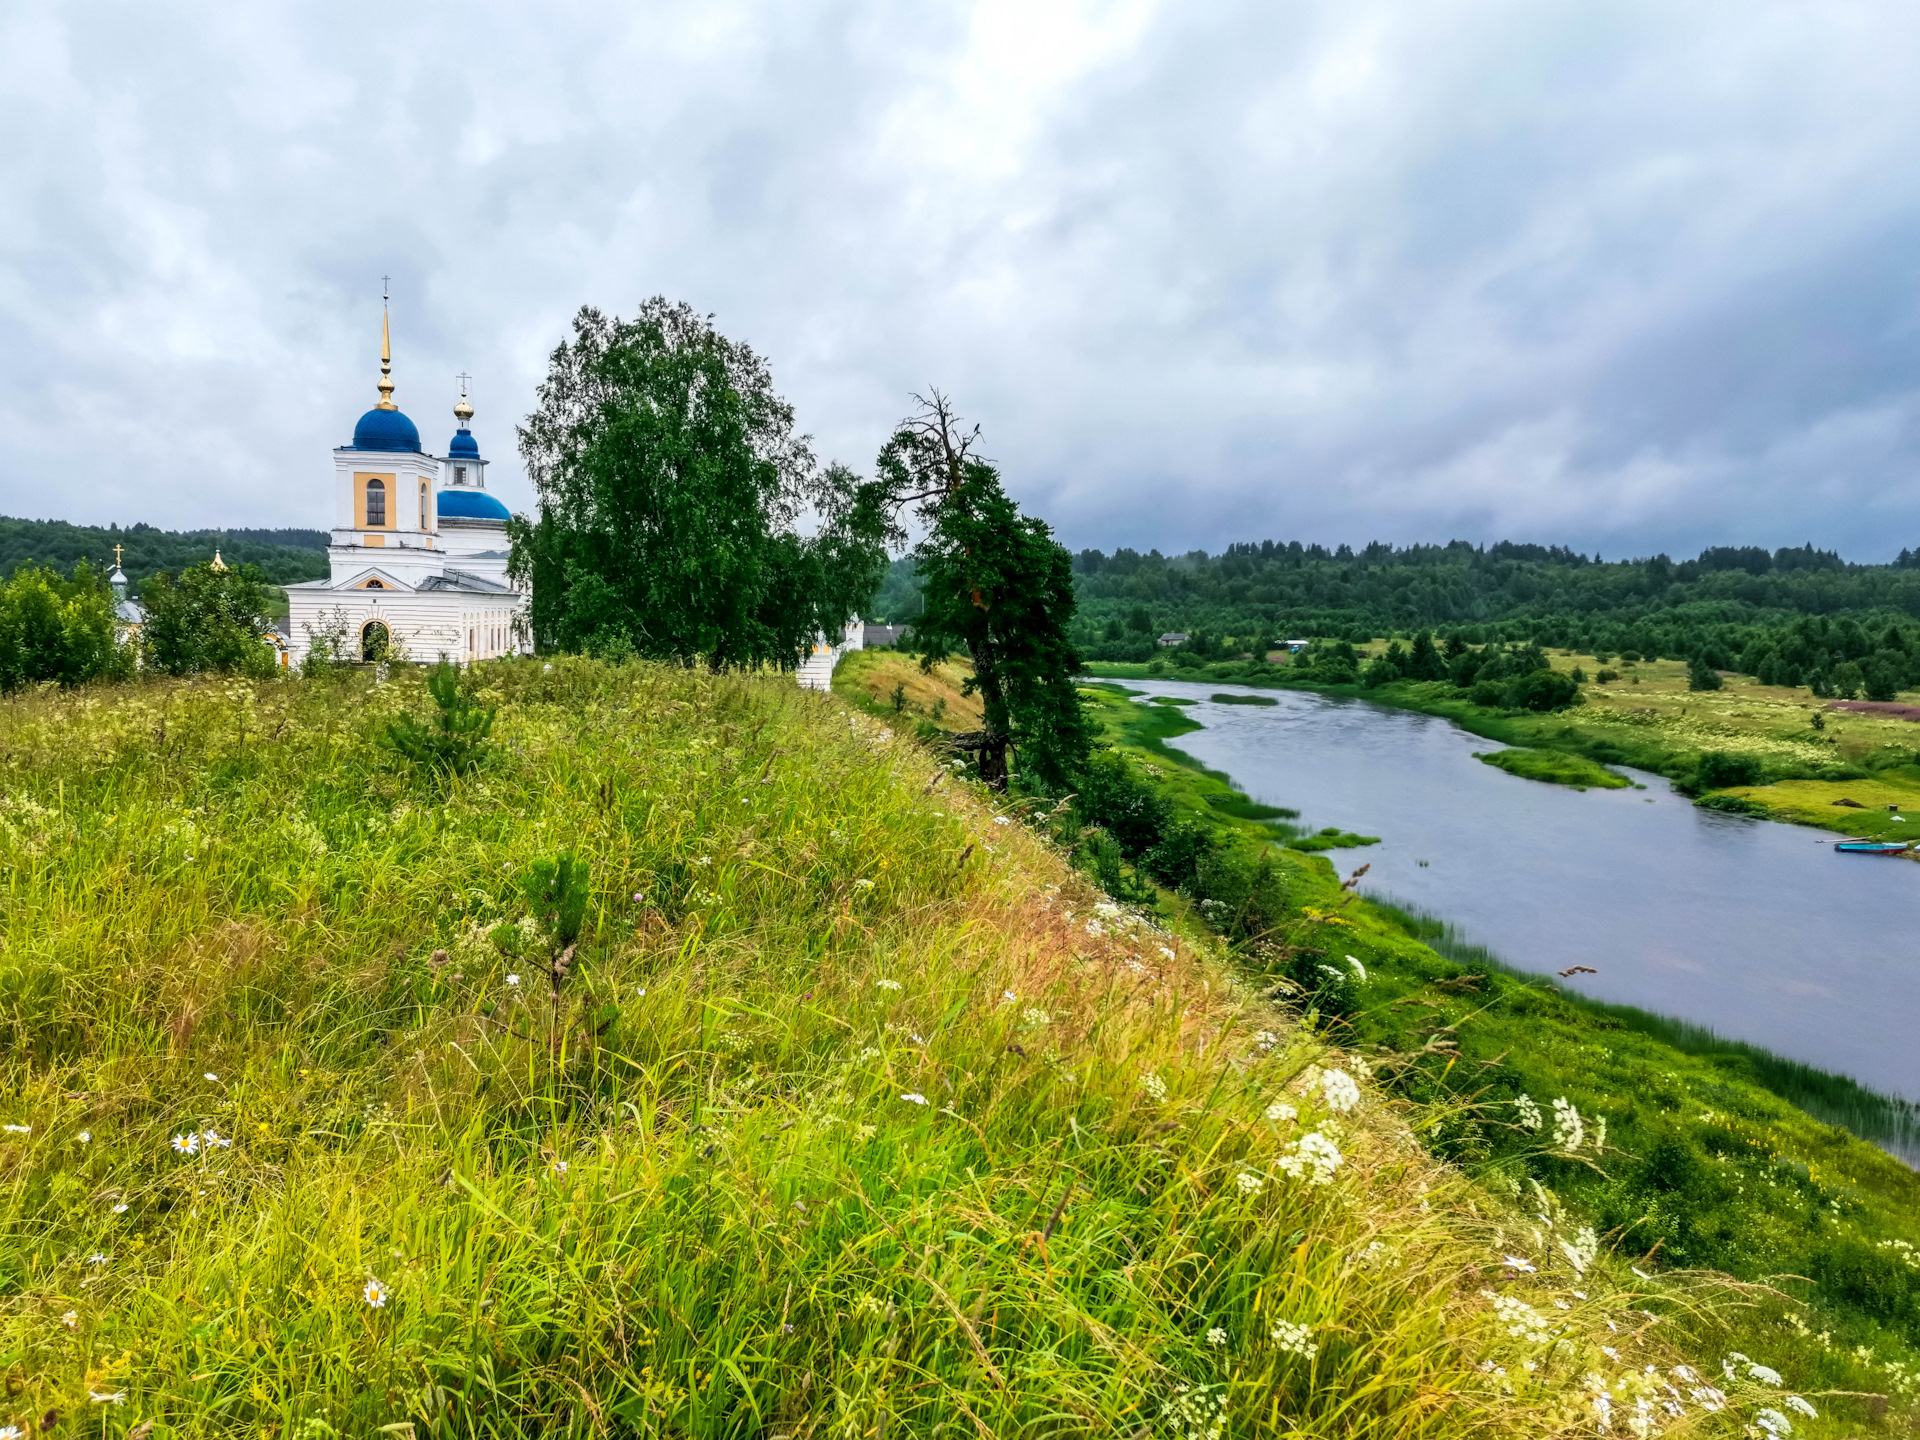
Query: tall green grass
[[851, 1114]]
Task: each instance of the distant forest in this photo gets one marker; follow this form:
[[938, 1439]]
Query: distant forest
[[1790, 616], [284, 556]]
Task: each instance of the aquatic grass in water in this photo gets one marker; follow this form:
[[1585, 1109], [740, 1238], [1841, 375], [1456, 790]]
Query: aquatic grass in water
[[1883, 1120]]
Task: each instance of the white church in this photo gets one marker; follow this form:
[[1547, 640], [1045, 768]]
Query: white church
[[418, 549]]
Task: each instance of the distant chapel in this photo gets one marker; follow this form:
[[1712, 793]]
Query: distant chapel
[[418, 549]]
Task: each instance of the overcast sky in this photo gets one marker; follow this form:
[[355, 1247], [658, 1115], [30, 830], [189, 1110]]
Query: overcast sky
[[1624, 276]]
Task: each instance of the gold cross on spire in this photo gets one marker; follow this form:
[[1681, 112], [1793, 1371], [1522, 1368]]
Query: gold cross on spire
[[116, 557]]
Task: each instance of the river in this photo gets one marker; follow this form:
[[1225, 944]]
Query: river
[[1758, 930]]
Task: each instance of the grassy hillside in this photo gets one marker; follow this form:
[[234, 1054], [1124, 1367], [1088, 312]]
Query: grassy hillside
[[852, 1113], [1697, 1153]]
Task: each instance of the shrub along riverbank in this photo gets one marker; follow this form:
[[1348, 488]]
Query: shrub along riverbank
[[1694, 1153], [698, 1057]]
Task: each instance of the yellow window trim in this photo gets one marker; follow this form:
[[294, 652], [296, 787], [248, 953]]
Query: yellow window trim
[[360, 479]]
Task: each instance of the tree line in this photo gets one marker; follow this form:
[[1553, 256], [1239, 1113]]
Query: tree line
[[284, 556]]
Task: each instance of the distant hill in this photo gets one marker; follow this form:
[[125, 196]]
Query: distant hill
[[284, 555]]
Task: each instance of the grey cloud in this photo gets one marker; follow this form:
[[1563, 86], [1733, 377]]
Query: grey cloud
[[1627, 277]]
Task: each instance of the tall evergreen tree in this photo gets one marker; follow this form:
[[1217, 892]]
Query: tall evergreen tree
[[998, 586]]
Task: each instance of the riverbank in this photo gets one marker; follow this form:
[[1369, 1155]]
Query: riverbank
[[1715, 1154], [1692, 1152], [1814, 754]]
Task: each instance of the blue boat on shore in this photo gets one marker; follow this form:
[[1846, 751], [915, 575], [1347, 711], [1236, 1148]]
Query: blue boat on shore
[[1874, 847]]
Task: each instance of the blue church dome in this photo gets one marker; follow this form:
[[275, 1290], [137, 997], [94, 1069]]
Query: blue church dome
[[471, 505], [385, 430], [464, 446]]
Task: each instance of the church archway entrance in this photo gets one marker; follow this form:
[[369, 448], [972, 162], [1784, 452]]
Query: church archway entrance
[[374, 639]]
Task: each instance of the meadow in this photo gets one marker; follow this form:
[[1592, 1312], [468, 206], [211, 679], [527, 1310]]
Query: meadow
[[710, 1060]]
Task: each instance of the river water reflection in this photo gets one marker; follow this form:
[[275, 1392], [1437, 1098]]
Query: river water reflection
[[1759, 930]]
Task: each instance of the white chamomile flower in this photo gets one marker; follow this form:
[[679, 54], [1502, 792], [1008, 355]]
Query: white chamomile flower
[[914, 1097], [513, 981], [374, 1293]]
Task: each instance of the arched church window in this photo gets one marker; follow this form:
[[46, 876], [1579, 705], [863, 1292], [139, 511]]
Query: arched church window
[[376, 503], [374, 639], [423, 505]]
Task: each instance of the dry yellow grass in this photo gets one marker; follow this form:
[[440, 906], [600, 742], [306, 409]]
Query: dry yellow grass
[[872, 674]]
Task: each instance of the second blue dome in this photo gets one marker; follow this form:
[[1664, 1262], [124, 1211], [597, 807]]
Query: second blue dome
[[471, 505]]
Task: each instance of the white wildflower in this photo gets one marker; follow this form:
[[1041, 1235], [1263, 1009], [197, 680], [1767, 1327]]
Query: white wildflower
[[863, 884], [1250, 1183], [1774, 1423], [1599, 1132], [1568, 1131], [107, 1397], [1155, 1087], [374, 1293], [1340, 1091], [1001, 820], [513, 982], [1521, 1320], [187, 1144], [1265, 1039], [914, 1097], [559, 1167], [209, 1075], [1582, 1249], [1359, 970], [889, 984], [1520, 1263], [1314, 1156], [17, 1129], [1007, 997], [96, 1258], [1802, 1407], [86, 1137], [1527, 1113], [1165, 952], [1295, 1339], [1216, 1337], [1035, 1018], [1281, 1111], [1765, 1374], [120, 1209]]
